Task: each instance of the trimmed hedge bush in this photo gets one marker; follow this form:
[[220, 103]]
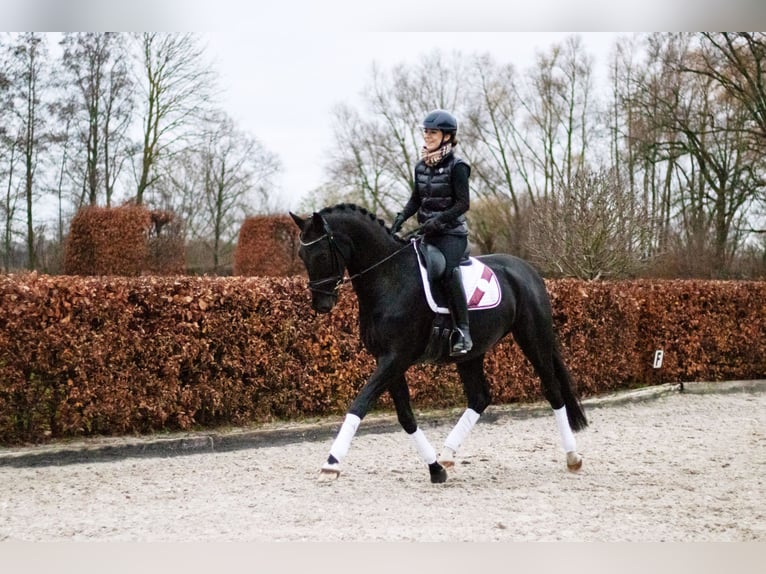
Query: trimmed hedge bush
[[84, 356], [128, 240], [107, 241], [268, 246]]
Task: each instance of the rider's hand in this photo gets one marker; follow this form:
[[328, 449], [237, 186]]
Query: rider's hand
[[397, 224], [432, 225]]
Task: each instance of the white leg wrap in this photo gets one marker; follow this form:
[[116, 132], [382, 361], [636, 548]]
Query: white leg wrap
[[347, 431], [424, 448], [461, 430], [567, 438]]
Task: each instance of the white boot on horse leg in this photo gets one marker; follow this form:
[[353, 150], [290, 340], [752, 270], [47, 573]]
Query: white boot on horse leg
[[331, 468], [457, 436], [574, 459], [428, 455]]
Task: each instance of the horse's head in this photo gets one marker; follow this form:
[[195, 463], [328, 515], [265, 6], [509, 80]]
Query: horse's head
[[323, 260]]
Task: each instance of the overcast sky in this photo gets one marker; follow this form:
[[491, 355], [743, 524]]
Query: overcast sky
[[284, 64]]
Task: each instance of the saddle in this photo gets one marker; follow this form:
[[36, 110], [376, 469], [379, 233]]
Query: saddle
[[435, 262], [479, 283]]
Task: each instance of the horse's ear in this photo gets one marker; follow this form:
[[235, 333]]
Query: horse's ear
[[317, 222], [298, 221]]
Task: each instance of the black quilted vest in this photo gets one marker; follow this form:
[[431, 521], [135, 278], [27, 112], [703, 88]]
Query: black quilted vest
[[434, 185]]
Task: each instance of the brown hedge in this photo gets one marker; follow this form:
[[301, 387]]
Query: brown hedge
[[107, 241], [165, 245], [128, 240], [268, 246], [83, 356]]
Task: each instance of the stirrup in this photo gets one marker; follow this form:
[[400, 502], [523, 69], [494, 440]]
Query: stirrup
[[463, 344]]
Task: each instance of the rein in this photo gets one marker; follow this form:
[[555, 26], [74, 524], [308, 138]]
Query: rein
[[374, 265], [339, 279]]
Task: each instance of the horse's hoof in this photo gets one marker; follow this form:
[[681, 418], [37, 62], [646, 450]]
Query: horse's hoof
[[447, 457], [438, 473], [329, 471], [574, 461]]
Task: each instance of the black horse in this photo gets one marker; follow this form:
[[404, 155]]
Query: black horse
[[399, 328]]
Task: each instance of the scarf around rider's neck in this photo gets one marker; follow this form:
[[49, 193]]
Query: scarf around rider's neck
[[431, 158]]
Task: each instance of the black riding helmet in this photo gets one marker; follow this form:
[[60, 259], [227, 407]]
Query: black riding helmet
[[441, 120]]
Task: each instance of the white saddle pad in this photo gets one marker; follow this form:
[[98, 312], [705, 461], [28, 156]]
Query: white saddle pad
[[482, 290]]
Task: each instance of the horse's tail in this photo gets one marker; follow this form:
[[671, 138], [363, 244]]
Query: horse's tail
[[575, 413]]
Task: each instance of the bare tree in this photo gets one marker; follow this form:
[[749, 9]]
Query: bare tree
[[493, 132], [177, 87], [589, 229], [11, 196], [638, 82], [29, 75], [180, 188], [8, 157], [495, 137], [62, 136], [95, 75], [362, 171], [558, 104], [737, 61], [217, 183], [495, 226], [700, 131]]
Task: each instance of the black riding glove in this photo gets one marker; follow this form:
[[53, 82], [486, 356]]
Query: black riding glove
[[397, 224], [431, 226]]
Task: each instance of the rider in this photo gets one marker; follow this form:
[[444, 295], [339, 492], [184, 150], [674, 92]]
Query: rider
[[440, 197]]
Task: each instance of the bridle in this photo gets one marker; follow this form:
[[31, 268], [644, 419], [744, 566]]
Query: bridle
[[337, 278], [338, 269]]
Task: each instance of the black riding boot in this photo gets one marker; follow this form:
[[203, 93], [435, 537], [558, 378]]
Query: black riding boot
[[461, 336]]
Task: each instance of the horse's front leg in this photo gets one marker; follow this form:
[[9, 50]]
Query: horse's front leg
[[401, 395], [476, 389], [388, 369]]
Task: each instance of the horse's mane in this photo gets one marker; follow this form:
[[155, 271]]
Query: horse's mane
[[361, 212]]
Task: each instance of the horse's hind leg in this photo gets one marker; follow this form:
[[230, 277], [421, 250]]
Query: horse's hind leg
[[401, 395], [536, 340], [569, 417], [476, 390]]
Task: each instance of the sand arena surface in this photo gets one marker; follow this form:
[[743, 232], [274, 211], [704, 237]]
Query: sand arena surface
[[680, 467]]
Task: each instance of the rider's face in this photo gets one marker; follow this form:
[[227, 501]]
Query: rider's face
[[433, 138]]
